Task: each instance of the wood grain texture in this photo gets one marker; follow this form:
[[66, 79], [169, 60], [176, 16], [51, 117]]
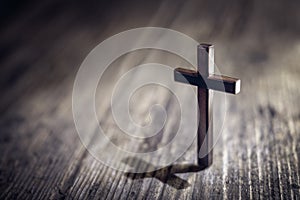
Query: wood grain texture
[[257, 155]]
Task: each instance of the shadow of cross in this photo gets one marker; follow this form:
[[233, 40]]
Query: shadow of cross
[[164, 174], [205, 80]]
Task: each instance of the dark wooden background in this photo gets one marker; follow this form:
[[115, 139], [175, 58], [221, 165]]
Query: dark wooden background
[[42, 44]]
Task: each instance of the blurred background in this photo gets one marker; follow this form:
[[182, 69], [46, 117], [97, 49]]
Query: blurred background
[[43, 43], [48, 40]]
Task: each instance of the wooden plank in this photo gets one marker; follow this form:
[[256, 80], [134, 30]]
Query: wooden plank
[[257, 155]]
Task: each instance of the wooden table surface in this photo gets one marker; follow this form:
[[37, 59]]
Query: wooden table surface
[[42, 46]]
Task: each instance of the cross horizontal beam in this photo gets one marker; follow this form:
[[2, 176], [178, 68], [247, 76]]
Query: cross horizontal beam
[[214, 82]]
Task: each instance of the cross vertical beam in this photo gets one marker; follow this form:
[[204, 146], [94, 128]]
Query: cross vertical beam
[[205, 60]]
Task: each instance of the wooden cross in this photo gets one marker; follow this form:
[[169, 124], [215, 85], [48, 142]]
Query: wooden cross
[[205, 79]]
